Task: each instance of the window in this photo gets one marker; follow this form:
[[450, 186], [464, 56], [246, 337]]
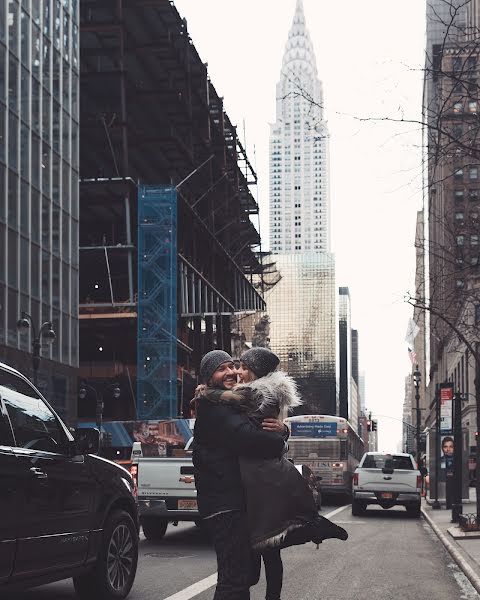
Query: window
[[460, 283], [34, 425], [459, 216], [457, 63], [458, 194], [388, 461], [473, 173], [458, 174], [472, 106], [474, 240], [458, 107], [460, 240]]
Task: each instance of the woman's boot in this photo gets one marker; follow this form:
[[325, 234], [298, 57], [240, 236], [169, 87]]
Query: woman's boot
[[324, 529]]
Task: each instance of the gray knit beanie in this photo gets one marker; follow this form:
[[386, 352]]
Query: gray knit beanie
[[261, 361], [211, 361]]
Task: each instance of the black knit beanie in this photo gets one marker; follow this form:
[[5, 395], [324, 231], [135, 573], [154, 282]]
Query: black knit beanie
[[261, 361], [211, 361]]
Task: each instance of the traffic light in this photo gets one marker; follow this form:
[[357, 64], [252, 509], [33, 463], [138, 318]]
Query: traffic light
[[374, 426], [369, 426]]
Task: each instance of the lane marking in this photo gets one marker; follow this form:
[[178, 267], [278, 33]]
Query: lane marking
[[204, 584], [195, 589]]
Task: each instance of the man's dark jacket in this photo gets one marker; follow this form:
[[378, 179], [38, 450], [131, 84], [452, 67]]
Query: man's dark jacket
[[221, 436]]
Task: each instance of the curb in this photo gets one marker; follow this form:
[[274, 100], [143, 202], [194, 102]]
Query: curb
[[457, 556]]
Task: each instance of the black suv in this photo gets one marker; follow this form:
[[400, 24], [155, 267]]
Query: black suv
[[64, 512]]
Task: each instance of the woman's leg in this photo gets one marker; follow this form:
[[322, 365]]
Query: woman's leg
[[273, 573]]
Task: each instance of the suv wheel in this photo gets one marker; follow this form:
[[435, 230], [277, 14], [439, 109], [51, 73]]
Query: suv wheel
[[415, 510], [112, 576], [154, 529]]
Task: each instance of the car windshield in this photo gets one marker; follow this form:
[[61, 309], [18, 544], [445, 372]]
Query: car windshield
[[388, 461]]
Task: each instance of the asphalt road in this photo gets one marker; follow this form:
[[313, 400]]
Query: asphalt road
[[389, 555]]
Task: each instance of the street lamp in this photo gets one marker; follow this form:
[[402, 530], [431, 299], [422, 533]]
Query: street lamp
[[45, 332], [99, 404], [416, 382]]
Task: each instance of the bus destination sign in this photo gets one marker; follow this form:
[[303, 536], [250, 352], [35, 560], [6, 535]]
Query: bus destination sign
[[314, 430]]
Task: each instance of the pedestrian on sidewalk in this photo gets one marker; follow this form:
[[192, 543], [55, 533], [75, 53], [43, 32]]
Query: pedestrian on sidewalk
[[222, 435], [280, 506]]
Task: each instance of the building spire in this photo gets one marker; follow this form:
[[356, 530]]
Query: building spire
[[299, 49]]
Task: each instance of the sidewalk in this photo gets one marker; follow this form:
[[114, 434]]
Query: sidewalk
[[464, 548]]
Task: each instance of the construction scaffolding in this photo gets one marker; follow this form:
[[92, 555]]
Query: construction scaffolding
[[157, 302]]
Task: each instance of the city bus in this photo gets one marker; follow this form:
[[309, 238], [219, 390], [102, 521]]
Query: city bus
[[329, 446]]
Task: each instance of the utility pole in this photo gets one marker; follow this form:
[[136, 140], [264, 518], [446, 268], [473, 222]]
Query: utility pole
[[416, 383], [457, 458]]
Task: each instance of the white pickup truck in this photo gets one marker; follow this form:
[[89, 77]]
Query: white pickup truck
[[166, 490], [388, 480]]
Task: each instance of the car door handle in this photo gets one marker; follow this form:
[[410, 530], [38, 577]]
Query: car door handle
[[38, 473]]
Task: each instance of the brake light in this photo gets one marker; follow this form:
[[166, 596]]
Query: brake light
[[355, 479], [134, 474], [419, 481]]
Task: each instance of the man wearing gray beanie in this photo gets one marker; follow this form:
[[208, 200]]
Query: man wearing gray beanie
[[223, 435]]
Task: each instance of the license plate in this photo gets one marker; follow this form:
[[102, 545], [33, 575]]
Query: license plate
[[387, 495], [187, 505]]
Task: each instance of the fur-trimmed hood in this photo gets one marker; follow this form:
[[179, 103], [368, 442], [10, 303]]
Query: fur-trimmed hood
[[275, 390]]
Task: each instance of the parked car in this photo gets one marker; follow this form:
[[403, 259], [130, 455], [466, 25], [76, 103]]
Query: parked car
[[65, 512], [388, 480], [166, 490]]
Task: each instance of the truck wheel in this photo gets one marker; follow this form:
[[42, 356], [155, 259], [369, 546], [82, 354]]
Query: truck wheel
[[112, 576], [414, 510], [358, 508], [154, 529]]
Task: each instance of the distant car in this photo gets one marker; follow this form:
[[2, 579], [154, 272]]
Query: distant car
[[313, 483], [65, 512]]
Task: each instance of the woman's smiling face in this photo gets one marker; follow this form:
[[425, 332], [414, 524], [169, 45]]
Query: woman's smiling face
[[244, 373]]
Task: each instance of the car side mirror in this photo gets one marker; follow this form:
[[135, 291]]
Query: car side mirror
[[87, 440], [387, 470]]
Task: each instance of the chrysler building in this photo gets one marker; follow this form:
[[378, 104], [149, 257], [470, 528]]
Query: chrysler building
[[299, 178]]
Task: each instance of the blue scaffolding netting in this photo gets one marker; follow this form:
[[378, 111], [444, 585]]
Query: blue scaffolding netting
[[157, 302]]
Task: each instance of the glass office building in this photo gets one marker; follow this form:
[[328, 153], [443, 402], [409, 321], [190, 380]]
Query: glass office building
[[39, 84], [303, 330]]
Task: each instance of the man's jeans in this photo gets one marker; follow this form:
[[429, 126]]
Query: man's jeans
[[229, 533]]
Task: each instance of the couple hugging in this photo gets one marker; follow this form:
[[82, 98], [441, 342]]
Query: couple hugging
[[253, 500]]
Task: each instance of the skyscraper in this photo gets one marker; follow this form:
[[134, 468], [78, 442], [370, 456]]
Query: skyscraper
[[39, 69], [299, 178], [303, 305]]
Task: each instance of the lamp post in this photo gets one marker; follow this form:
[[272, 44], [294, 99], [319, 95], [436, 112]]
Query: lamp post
[[45, 332], [416, 382], [99, 404]]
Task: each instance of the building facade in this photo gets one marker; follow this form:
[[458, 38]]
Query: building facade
[[452, 268], [302, 329], [345, 353], [39, 166]]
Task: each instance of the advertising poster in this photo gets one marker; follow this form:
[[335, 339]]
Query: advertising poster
[[156, 436], [446, 409]]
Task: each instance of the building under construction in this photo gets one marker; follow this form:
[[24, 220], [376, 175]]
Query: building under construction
[[150, 116]]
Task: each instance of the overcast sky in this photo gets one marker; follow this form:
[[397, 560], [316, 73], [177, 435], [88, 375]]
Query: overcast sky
[[369, 57]]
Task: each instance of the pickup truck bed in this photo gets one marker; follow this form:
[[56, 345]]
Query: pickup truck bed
[[388, 480]]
